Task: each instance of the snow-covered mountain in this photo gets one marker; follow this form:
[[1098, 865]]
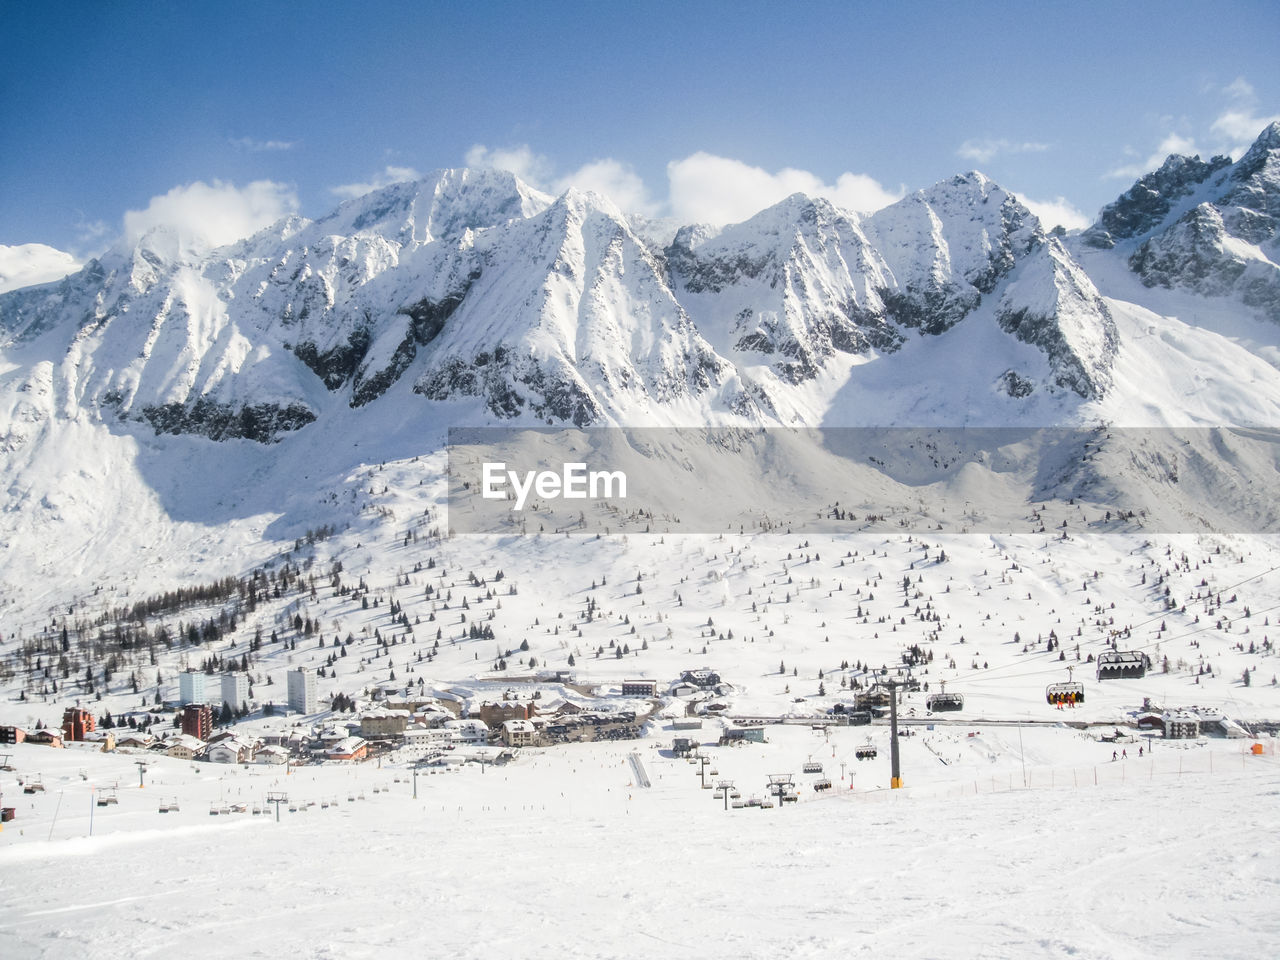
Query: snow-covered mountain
[[233, 389]]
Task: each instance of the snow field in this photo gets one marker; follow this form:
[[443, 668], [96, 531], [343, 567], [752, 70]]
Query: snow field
[[559, 854]]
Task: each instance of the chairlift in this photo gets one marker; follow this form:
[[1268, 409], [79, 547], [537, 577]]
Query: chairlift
[[1122, 665], [943, 702], [812, 766], [718, 795], [767, 804], [213, 809], [820, 785], [1064, 693], [865, 752]]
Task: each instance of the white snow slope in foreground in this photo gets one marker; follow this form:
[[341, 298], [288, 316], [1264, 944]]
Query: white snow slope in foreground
[[560, 854]]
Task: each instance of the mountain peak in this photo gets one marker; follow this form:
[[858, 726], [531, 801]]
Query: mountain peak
[[442, 205], [1146, 204], [1257, 156]]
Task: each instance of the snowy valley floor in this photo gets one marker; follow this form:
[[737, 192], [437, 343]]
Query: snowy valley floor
[[561, 854]]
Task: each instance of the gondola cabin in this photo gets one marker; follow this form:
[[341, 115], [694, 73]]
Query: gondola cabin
[[1122, 665], [1064, 694], [942, 702]]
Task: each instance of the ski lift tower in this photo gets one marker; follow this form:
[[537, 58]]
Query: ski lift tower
[[780, 785], [895, 767], [703, 760], [725, 787], [277, 799]]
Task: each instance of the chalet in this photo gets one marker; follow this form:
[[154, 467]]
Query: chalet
[[518, 733], [348, 748], [468, 731], [184, 747], [431, 716], [230, 750], [136, 741], [383, 722], [271, 754], [703, 678], [49, 738], [496, 714]]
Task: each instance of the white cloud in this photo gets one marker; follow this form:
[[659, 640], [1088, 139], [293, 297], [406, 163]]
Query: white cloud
[[1172, 143], [705, 188], [262, 146], [608, 177], [1240, 89], [1239, 124], [1058, 212], [702, 188], [984, 151], [212, 214], [388, 176], [27, 263], [533, 168]]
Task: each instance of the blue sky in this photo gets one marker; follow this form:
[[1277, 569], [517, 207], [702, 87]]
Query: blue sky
[[691, 109]]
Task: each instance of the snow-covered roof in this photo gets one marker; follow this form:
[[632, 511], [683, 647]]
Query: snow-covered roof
[[347, 745]]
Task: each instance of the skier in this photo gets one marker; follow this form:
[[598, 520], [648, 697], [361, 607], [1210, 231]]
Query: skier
[[1113, 755]]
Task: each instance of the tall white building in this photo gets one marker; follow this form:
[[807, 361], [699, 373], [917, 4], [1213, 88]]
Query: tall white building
[[302, 690], [192, 687], [235, 689]]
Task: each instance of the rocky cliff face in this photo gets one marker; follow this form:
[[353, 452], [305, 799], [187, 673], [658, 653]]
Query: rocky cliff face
[[1211, 228]]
